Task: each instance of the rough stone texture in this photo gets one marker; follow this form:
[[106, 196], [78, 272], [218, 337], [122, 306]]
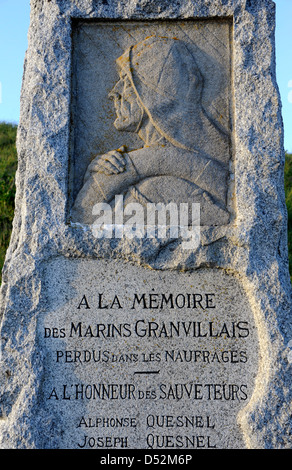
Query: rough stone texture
[[253, 247]]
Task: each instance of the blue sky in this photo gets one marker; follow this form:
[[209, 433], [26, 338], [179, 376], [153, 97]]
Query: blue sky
[[14, 23]]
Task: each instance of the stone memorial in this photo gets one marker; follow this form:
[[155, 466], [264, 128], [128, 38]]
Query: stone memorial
[[146, 297]]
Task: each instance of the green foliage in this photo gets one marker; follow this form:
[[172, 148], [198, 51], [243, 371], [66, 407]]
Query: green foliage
[[8, 165], [288, 194]]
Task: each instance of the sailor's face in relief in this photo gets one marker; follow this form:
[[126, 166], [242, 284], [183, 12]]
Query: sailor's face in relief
[[128, 111]]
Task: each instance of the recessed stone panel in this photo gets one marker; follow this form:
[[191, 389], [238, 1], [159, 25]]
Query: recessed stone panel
[[152, 115]]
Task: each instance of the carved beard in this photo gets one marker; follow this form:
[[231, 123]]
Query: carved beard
[[129, 115]]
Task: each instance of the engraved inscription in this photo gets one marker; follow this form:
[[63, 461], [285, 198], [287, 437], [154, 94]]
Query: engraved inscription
[[147, 362]]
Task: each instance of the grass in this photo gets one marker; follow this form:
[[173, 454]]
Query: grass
[[8, 165], [288, 195]]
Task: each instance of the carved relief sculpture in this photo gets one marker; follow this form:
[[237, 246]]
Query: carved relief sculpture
[[159, 96]]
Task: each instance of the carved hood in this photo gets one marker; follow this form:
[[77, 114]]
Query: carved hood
[[169, 85]]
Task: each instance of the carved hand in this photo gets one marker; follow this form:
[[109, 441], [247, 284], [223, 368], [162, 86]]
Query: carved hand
[[110, 163]]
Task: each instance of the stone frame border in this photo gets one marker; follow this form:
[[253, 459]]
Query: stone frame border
[[76, 22]]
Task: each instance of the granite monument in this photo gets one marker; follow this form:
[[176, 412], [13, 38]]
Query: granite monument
[[146, 297]]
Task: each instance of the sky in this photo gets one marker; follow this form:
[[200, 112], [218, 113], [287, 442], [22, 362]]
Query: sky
[[14, 24]]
